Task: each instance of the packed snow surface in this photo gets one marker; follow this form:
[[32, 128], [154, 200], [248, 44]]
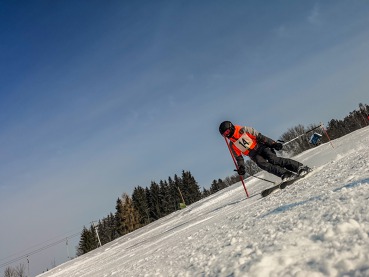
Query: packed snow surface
[[318, 226]]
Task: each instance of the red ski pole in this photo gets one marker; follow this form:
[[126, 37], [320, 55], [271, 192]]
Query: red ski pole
[[235, 163]]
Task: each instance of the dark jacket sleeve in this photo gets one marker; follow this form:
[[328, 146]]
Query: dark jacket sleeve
[[265, 140], [240, 160], [259, 137]]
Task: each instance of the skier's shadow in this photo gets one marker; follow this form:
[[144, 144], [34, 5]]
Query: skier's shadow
[[292, 205], [353, 184]]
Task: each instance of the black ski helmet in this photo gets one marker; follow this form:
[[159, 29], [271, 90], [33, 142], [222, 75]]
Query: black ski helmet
[[226, 125]]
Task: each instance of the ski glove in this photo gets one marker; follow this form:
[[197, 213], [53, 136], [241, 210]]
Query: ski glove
[[277, 146], [241, 170]]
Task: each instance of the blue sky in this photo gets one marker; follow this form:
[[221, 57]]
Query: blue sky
[[98, 97]]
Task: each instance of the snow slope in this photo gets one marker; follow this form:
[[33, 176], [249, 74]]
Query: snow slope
[[317, 227]]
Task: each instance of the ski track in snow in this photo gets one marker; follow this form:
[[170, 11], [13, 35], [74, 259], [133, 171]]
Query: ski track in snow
[[318, 226]]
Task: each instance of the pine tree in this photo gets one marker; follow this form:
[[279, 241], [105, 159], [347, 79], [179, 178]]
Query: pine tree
[[118, 218], [178, 184], [205, 193], [174, 195], [87, 242], [149, 204], [107, 229], [127, 216], [112, 227], [130, 216], [190, 187], [154, 201], [164, 198], [140, 203], [235, 178], [214, 187], [221, 184]]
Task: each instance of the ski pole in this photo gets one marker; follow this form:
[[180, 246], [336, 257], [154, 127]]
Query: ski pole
[[285, 143], [262, 179], [234, 160]]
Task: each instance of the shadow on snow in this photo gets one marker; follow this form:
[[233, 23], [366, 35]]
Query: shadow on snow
[[290, 206]]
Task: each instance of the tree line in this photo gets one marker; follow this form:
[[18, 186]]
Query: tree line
[[355, 120], [335, 129], [145, 206]]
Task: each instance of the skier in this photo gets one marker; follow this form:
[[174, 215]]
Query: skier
[[260, 149]]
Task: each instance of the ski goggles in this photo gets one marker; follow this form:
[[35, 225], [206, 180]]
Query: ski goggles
[[226, 133]]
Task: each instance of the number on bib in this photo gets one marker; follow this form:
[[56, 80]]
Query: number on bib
[[244, 143]]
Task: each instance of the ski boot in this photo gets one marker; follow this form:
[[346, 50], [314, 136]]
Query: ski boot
[[288, 176], [303, 170]]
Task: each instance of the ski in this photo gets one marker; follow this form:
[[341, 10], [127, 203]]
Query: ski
[[281, 185], [284, 184]]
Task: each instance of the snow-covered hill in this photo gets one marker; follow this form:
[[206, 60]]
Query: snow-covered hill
[[317, 227]]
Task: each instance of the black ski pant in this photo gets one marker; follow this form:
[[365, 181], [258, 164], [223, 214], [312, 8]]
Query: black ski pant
[[267, 160]]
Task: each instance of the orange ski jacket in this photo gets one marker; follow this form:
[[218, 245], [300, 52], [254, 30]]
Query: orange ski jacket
[[246, 141]]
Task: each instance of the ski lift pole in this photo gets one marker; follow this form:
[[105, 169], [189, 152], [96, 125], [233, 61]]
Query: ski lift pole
[[182, 205], [235, 163], [180, 193]]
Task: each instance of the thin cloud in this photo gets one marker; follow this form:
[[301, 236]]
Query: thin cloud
[[282, 31], [315, 15]]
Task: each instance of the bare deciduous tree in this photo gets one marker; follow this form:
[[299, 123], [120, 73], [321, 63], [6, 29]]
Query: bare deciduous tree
[[18, 271]]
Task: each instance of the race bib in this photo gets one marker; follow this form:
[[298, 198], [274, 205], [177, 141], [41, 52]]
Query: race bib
[[244, 143]]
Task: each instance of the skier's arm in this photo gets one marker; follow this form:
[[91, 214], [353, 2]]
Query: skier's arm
[[259, 136], [269, 142], [265, 140], [238, 155], [240, 160]]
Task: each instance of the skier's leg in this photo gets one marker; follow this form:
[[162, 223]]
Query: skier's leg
[[265, 165], [289, 164]]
